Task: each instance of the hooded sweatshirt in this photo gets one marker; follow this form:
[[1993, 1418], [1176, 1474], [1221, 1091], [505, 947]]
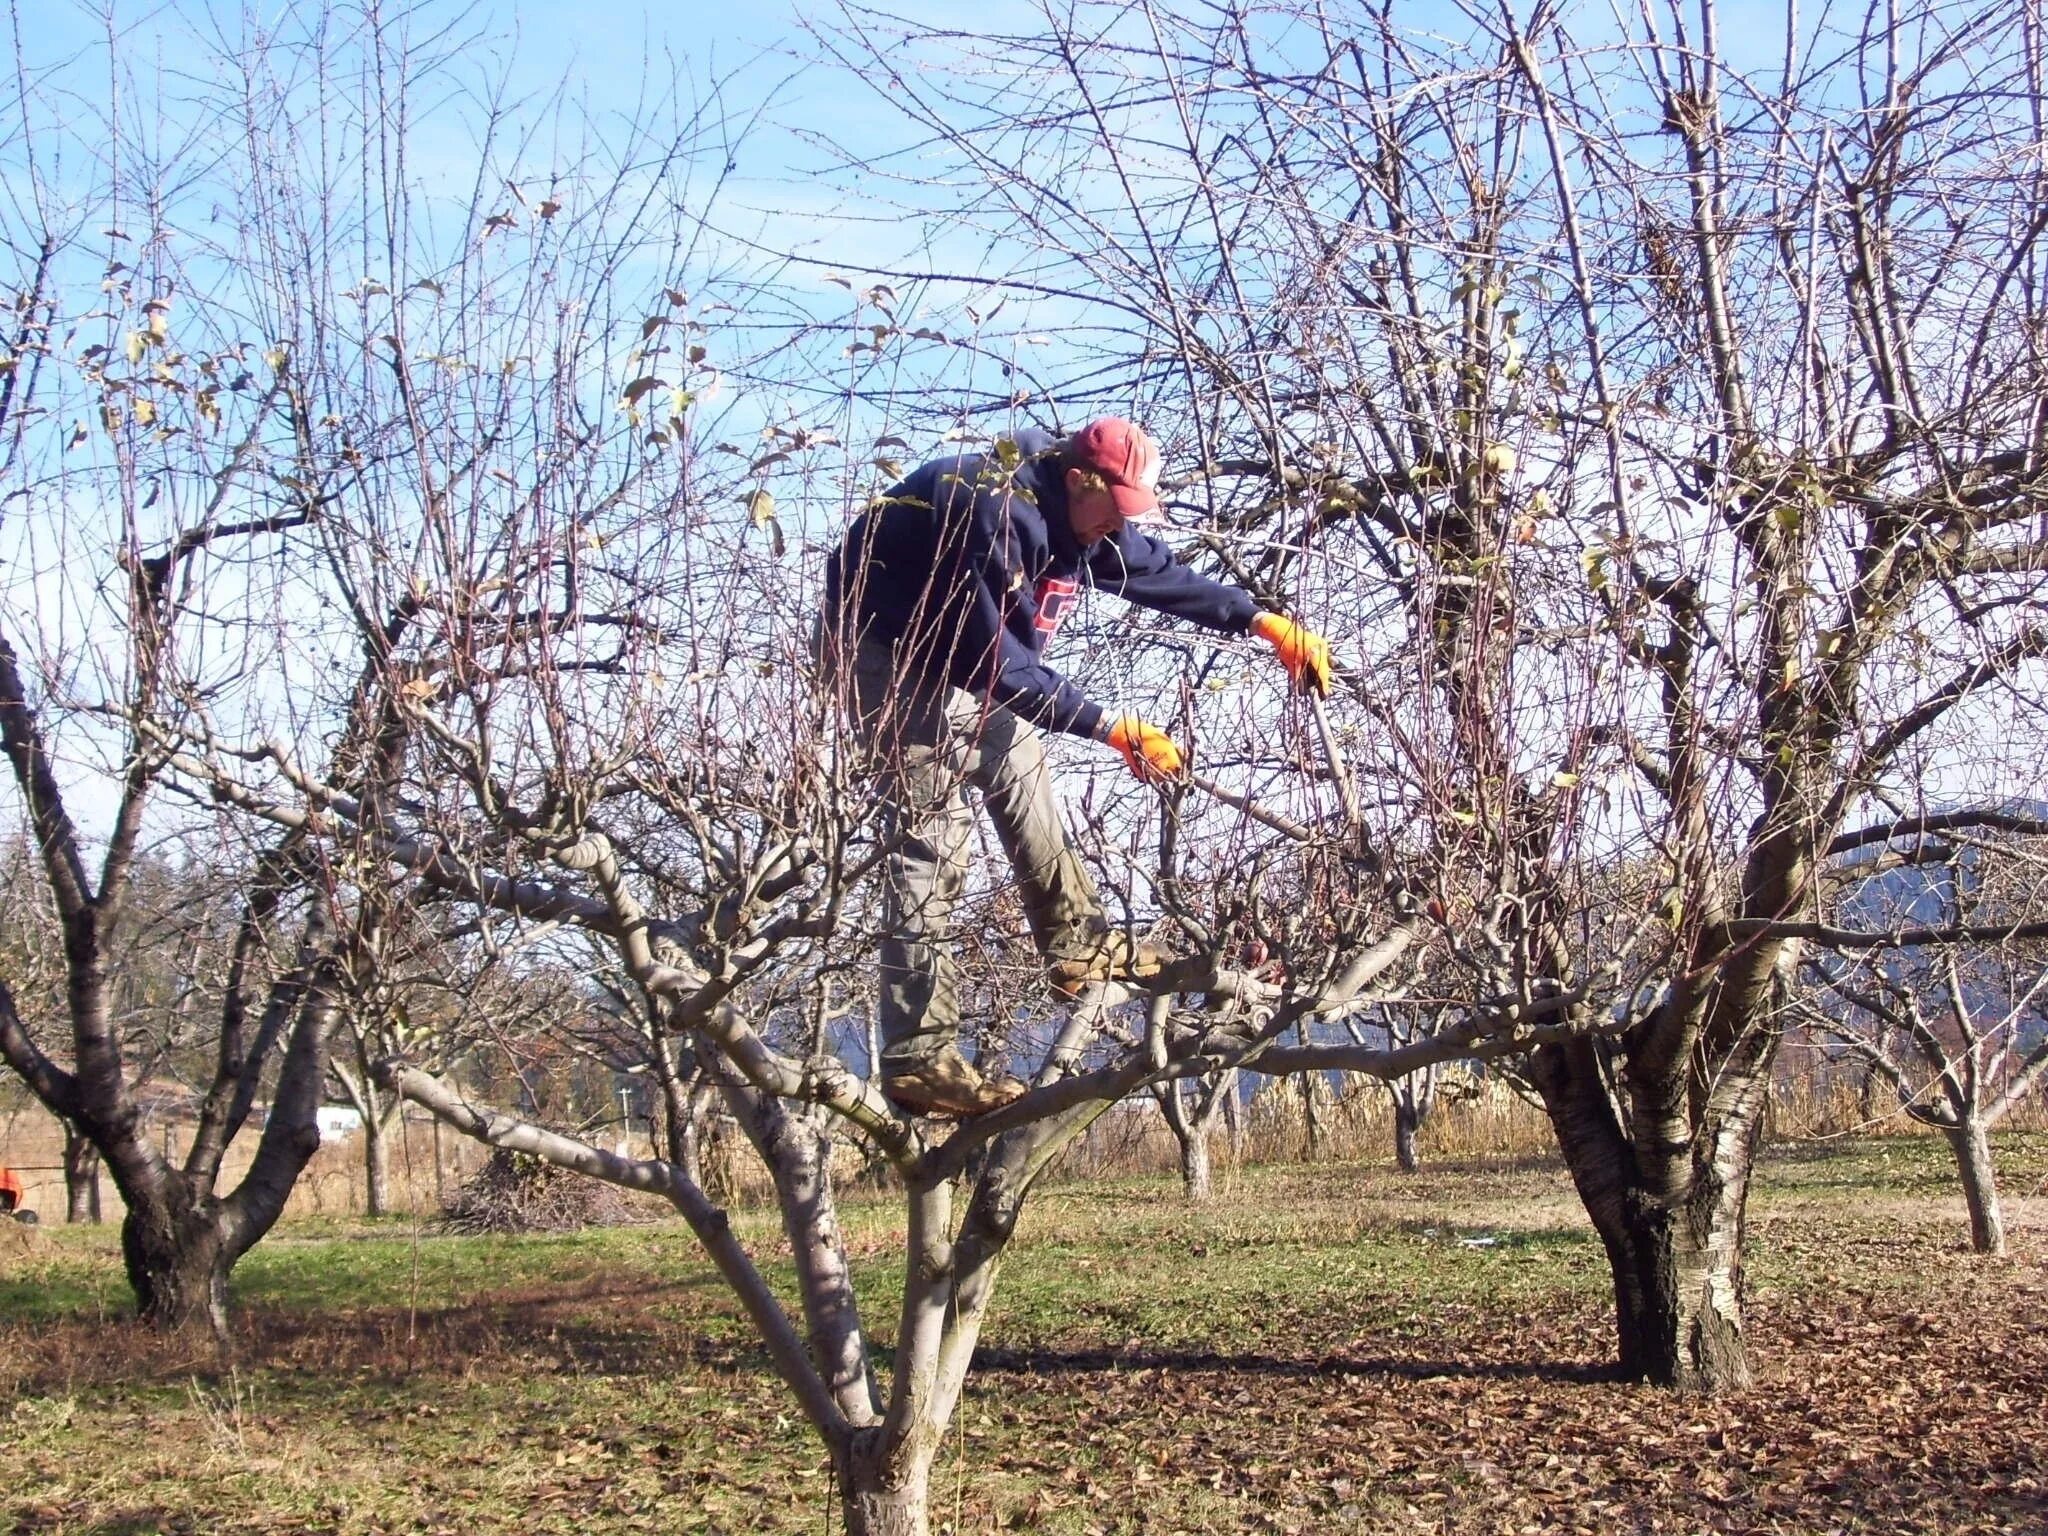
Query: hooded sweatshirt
[[967, 567]]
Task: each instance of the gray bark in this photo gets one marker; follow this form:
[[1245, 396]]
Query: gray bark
[[1971, 1143], [81, 1178], [880, 1494], [796, 1144], [377, 1162], [1670, 1220], [1194, 1166], [687, 1102], [378, 1115], [1678, 1286], [1407, 1121], [1193, 1123]]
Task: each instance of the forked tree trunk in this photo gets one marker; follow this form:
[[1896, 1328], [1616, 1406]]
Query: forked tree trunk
[[81, 1178], [1191, 1124], [179, 1239], [1971, 1144], [1676, 1262], [882, 1496], [688, 1100], [1678, 1300], [378, 1112], [177, 1258]]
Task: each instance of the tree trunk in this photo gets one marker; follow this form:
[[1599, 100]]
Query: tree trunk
[[377, 1163], [883, 1496], [1676, 1260], [180, 1239], [687, 1100], [886, 1511], [1190, 1124], [1311, 1114], [701, 1111], [1678, 1300], [1406, 1123], [81, 1178], [1194, 1163], [1971, 1144], [1233, 1119], [177, 1259]]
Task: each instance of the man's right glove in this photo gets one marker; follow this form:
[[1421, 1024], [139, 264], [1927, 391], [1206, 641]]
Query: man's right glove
[[1304, 653], [1149, 750]]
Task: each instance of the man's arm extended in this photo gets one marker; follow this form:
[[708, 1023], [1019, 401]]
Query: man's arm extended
[[1142, 570]]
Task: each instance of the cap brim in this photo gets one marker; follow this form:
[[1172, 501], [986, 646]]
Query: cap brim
[[1136, 504]]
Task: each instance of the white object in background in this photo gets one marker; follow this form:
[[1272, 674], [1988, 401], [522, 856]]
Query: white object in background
[[337, 1122]]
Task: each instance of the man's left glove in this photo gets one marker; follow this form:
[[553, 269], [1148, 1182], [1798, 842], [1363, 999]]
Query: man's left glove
[[1304, 653]]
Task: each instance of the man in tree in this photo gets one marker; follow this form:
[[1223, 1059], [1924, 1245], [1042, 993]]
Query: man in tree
[[940, 603]]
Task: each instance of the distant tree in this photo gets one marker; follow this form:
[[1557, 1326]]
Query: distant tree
[[1414, 1095], [429, 986], [169, 456], [108, 1007], [1193, 1108], [1955, 1030]]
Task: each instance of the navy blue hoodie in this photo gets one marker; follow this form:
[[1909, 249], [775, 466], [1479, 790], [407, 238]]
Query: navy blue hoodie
[[967, 567]]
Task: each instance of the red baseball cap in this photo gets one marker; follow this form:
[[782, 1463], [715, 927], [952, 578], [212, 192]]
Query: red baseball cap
[[1122, 454]]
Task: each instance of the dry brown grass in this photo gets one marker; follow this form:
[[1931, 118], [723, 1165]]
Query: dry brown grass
[[1488, 1123], [333, 1184], [1354, 1124]]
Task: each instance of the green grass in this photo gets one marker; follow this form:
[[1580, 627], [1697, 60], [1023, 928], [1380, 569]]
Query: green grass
[[1332, 1348]]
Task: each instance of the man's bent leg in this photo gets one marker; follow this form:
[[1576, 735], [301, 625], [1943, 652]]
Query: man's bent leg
[[1008, 765], [920, 993], [926, 816]]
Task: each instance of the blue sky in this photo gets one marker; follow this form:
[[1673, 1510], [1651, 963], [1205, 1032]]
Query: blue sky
[[618, 59], [604, 60]]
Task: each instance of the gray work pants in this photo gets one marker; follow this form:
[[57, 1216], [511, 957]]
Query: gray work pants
[[928, 739]]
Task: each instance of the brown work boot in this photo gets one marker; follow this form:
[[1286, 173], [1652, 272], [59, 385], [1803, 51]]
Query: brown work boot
[[1093, 955], [946, 1086]]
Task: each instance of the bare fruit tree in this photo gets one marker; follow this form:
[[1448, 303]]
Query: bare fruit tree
[[204, 537], [592, 637], [107, 607], [725, 847], [1656, 427], [1414, 1097]]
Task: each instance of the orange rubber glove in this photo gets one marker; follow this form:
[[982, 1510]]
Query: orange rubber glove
[[1149, 750], [1304, 653]]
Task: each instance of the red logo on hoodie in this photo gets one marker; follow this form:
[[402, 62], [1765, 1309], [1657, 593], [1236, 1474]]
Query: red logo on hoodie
[[1054, 596]]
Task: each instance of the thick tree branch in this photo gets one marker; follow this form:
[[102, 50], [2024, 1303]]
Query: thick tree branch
[[1937, 824], [57, 1088], [56, 836]]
